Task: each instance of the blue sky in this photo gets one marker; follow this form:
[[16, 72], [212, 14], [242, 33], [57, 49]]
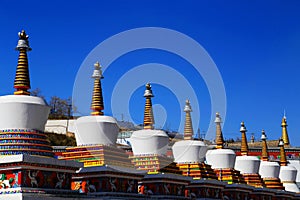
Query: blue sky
[[254, 44]]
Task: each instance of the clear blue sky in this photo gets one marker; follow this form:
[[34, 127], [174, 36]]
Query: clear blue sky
[[255, 45]]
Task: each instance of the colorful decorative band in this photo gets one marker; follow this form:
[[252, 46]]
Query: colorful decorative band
[[15, 147], [21, 131], [37, 153], [24, 141]]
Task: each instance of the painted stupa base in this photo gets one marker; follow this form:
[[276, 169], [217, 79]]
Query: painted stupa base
[[107, 181], [33, 174], [254, 180], [24, 141], [205, 189], [164, 186], [36, 194], [237, 191], [97, 155], [197, 170], [230, 176], [153, 163], [273, 183]]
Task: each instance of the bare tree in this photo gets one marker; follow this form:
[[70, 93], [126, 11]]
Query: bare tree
[[60, 108]]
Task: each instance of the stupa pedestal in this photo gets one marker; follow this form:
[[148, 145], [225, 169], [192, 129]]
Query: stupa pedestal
[[197, 170], [164, 186], [205, 189], [32, 174], [107, 171], [237, 191]]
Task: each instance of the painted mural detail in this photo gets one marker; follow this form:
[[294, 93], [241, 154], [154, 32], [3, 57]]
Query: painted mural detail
[[33, 178], [9, 179], [60, 179], [6, 182], [105, 184], [46, 179]]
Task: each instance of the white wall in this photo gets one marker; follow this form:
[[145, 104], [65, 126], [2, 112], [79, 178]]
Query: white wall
[[59, 126]]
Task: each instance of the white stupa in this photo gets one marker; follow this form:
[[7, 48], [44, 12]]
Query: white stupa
[[287, 172], [27, 163], [248, 165], [149, 141], [220, 158], [223, 160], [269, 171], [189, 150], [97, 128], [22, 113], [189, 154]]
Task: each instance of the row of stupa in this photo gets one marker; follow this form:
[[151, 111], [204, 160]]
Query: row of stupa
[[97, 169]]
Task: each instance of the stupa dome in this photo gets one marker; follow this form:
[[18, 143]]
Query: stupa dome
[[288, 176], [92, 130], [21, 111], [269, 169], [220, 158], [287, 173], [189, 151], [247, 164], [149, 142]]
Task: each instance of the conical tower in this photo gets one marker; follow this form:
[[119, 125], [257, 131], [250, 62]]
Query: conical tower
[[97, 105], [264, 151], [244, 144], [22, 81], [188, 126], [283, 161], [219, 134], [285, 136], [148, 113]]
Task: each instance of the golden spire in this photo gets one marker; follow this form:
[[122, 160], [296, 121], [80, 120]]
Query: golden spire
[[148, 113], [188, 126], [219, 135], [283, 161], [285, 136], [244, 144], [22, 81], [97, 105], [264, 151]]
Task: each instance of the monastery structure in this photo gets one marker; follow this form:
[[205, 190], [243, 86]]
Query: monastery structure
[[97, 168]]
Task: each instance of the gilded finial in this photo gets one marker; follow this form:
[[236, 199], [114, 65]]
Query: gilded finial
[[148, 113], [244, 144], [97, 105], [264, 151], [22, 81], [188, 126], [285, 136], [283, 161], [219, 134]]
